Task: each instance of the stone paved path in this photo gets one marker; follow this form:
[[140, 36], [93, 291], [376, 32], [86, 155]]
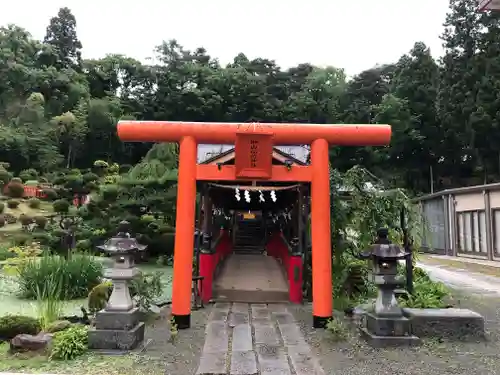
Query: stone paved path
[[250, 339]]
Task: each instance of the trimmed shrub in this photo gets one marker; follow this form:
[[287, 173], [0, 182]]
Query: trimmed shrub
[[2, 207], [17, 180], [5, 176], [41, 222], [15, 189], [28, 174], [25, 220], [50, 194], [76, 275], [13, 325], [34, 203], [61, 206], [13, 203]]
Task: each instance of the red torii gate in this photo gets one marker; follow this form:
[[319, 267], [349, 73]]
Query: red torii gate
[[254, 144]]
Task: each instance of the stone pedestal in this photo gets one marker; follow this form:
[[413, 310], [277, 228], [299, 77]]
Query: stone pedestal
[[387, 331], [117, 330]]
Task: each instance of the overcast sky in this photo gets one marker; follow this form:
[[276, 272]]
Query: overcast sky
[[350, 34]]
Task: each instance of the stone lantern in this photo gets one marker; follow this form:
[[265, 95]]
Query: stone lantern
[[118, 325], [386, 325]]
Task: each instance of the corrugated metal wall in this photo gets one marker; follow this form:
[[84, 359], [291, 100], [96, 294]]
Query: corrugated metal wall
[[435, 229]]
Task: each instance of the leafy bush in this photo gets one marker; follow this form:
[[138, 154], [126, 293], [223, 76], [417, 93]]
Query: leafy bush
[[76, 275], [426, 292], [13, 325], [99, 296], [41, 222], [25, 220], [6, 253], [50, 194], [2, 207], [5, 176], [70, 343], [16, 180], [32, 183], [34, 203], [13, 203], [61, 206], [28, 174], [15, 189]]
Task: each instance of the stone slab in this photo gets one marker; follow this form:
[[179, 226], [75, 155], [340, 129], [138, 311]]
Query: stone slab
[[266, 334], [242, 338], [243, 363], [388, 341], [222, 306], [304, 362], [284, 318], [216, 338], [115, 320], [261, 313], [240, 307], [397, 326], [458, 324], [219, 315], [272, 360], [291, 335], [236, 318], [116, 339], [212, 364], [277, 307]]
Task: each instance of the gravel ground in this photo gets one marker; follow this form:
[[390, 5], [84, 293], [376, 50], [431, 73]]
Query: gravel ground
[[353, 357], [161, 355]]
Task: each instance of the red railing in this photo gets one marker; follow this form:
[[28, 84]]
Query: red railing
[[34, 191], [278, 248]]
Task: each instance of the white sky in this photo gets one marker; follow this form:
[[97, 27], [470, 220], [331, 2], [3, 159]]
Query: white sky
[[350, 34]]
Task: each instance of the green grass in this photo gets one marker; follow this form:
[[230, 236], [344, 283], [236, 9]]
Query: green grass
[[10, 304]]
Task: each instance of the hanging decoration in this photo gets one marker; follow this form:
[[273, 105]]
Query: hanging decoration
[[273, 196], [261, 196], [247, 196], [237, 194]]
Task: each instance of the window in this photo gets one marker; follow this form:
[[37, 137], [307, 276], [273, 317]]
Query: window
[[471, 231]]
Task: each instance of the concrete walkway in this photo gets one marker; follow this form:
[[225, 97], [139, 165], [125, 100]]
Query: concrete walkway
[[248, 339], [463, 279]]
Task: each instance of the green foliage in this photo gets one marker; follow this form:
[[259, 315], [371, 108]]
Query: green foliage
[[5, 176], [146, 289], [49, 306], [50, 194], [13, 203], [76, 275], [15, 189], [13, 325], [337, 329], [99, 296], [70, 343], [41, 222], [28, 174], [61, 206], [426, 293], [34, 203], [2, 207]]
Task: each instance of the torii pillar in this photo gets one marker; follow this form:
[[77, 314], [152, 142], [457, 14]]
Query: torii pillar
[[254, 144]]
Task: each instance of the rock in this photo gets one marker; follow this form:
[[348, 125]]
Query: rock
[[58, 325], [25, 342]]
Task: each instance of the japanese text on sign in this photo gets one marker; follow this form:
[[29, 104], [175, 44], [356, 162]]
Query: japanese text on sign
[[254, 151]]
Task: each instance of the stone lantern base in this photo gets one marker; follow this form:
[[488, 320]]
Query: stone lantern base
[[117, 330], [387, 331]]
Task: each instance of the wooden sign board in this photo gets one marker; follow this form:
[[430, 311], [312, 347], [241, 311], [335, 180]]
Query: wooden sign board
[[253, 155]]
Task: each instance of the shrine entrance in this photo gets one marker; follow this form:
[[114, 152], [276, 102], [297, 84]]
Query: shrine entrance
[[253, 168]]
